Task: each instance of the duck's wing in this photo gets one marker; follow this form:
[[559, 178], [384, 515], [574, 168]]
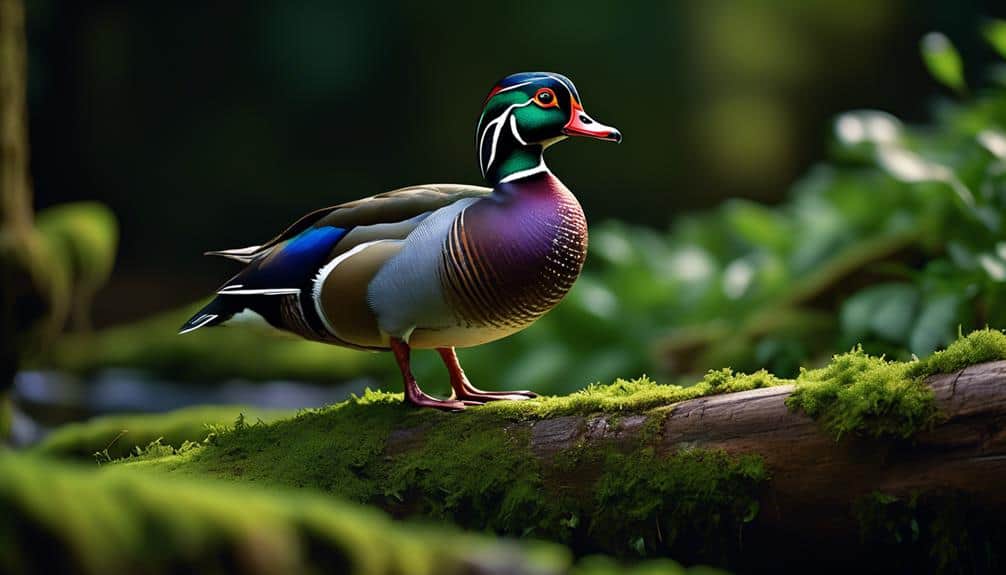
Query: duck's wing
[[287, 264], [397, 208]]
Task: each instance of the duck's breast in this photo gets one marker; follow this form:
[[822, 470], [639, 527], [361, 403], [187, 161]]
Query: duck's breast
[[508, 260], [483, 268]]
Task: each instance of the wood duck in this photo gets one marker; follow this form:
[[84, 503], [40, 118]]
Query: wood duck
[[436, 266]]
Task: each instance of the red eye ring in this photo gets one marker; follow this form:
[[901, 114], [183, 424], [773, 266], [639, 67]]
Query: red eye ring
[[545, 98]]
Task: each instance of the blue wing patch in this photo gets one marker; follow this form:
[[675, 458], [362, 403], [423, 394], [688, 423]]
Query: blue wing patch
[[289, 266]]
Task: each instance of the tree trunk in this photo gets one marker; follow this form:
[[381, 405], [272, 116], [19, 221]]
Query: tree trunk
[[28, 291], [15, 191]]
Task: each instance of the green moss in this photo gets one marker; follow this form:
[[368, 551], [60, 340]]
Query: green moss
[[636, 395], [867, 395], [116, 436], [477, 469], [694, 499], [330, 448], [57, 518], [976, 347]]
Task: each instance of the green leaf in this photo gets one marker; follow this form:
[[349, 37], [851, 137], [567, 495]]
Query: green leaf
[[758, 225], [86, 235], [936, 326], [943, 61], [995, 34], [886, 310]]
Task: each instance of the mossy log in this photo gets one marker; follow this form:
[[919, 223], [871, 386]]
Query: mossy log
[[818, 481], [808, 507], [736, 479]]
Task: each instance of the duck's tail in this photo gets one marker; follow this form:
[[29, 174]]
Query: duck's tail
[[219, 310]]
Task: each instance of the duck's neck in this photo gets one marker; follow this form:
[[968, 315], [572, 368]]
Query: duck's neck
[[505, 157], [519, 164]]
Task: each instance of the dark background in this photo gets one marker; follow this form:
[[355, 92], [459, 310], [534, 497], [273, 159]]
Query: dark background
[[210, 125]]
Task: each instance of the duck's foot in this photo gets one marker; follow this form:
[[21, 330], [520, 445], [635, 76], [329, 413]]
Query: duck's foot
[[414, 395], [475, 394], [464, 390], [453, 404], [444, 404]]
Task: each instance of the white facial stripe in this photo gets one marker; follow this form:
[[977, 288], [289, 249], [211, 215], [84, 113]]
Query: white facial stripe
[[507, 89], [515, 86], [496, 123], [513, 128]]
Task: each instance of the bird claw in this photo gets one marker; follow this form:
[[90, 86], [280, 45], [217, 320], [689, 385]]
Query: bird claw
[[444, 404], [484, 396]]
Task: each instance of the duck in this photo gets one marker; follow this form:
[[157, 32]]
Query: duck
[[438, 266]]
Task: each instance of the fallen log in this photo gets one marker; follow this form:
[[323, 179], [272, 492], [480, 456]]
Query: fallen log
[[736, 479], [817, 481], [813, 474]]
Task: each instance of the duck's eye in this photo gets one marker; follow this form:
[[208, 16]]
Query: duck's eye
[[545, 98]]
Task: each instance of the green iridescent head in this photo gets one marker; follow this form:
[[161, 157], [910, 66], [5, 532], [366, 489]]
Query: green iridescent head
[[526, 113]]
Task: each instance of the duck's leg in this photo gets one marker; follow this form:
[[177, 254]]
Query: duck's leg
[[464, 390], [414, 395]]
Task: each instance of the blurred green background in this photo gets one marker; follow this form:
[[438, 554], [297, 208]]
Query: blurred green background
[[208, 125], [752, 218], [797, 178]]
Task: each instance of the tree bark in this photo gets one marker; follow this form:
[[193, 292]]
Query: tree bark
[[15, 197], [15, 191], [807, 507], [31, 295], [815, 477], [813, 473]]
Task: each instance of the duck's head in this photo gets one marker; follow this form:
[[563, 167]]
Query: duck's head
[[526, 113]]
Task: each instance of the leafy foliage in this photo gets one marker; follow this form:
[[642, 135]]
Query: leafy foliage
[[897, 243]]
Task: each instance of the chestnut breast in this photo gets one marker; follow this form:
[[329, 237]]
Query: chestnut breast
[[510, 258]]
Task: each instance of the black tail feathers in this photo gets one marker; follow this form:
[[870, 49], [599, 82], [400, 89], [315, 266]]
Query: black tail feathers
[[216, 312]]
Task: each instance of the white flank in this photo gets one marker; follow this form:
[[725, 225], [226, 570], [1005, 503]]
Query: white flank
[[247, 317], [323, 273]]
